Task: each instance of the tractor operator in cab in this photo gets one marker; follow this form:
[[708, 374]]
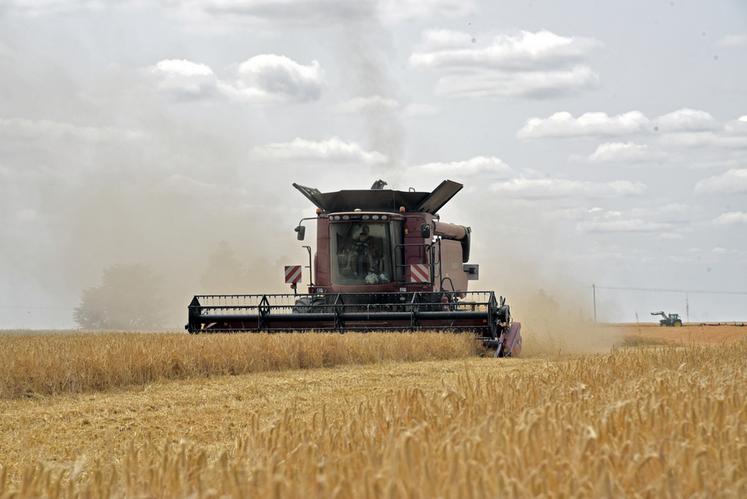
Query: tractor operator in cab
[[362, 261], [360, 257]]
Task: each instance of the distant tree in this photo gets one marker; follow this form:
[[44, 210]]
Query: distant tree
[[128, 299]]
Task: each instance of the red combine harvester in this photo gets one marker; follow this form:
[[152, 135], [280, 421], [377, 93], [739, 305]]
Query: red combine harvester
[[384, 262]]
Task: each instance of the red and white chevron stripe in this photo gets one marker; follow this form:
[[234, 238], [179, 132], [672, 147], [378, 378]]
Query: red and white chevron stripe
[[292, 274], [420, 272]]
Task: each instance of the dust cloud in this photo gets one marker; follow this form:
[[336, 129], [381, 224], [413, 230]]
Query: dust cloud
[[169, 200], [554, 312], [199, 240], [554, 325]]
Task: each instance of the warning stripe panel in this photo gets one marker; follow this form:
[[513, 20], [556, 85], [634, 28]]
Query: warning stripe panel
[[420, 272], [292, 274]]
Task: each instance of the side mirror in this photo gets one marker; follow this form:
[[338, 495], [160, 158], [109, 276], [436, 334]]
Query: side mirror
[[472, 270], [425, 231], [301, 232]]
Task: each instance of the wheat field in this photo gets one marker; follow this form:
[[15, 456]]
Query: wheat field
[[32, 365], [662, 421]]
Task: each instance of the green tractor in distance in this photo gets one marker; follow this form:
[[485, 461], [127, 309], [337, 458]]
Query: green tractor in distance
[[669, 320]]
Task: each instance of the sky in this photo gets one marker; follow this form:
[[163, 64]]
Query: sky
[[598, 143]]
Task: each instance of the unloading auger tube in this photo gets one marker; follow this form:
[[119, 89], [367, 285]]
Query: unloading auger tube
[[384, 261]]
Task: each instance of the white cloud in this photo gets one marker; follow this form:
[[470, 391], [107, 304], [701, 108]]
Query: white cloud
[[265, 77], [558, 188], [530, 84], [563, 124], [730, 139], [718, 250], [36, 129], [182, 67], [438, 39], [332, 150], [524, 51], [629, 152], [368, 103], [624, 225], [737, 126], [403, 10], [43, 7], [185, 79], [526, 64], [688, 137], [682, 126], [479, 165], [667, 222], [274, 11], [733, 40], [731, 218], [672, 213], [271, 13], [636, 220], [379, 104], [279, 76], [685, 120], [733, 181]]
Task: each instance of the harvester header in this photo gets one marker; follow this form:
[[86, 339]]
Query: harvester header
[[384, 261]]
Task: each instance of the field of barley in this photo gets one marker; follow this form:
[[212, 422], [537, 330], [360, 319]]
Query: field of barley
[[405, 415]]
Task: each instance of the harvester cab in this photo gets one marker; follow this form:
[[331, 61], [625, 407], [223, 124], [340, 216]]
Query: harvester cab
[[387, 241], [384, 261]]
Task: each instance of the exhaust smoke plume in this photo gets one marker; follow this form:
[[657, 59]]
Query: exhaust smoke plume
[[366, 49]]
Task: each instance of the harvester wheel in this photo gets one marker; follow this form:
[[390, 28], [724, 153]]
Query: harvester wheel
[[677, 323]]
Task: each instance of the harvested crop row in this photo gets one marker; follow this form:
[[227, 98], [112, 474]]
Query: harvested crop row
[[55, 364], [654, 422]]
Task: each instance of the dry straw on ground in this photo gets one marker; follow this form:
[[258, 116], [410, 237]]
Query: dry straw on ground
[[652, 422], [32, 365]]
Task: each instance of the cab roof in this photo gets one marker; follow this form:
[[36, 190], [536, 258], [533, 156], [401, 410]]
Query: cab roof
[[385, 200]]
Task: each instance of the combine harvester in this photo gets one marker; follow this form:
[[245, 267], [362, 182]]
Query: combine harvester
[[384, 262]]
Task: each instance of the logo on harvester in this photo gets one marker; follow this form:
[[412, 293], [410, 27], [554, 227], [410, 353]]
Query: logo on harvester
[[292, 274], [420, 272]]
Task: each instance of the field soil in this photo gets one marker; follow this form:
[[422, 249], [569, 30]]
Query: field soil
[[662, 414]]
